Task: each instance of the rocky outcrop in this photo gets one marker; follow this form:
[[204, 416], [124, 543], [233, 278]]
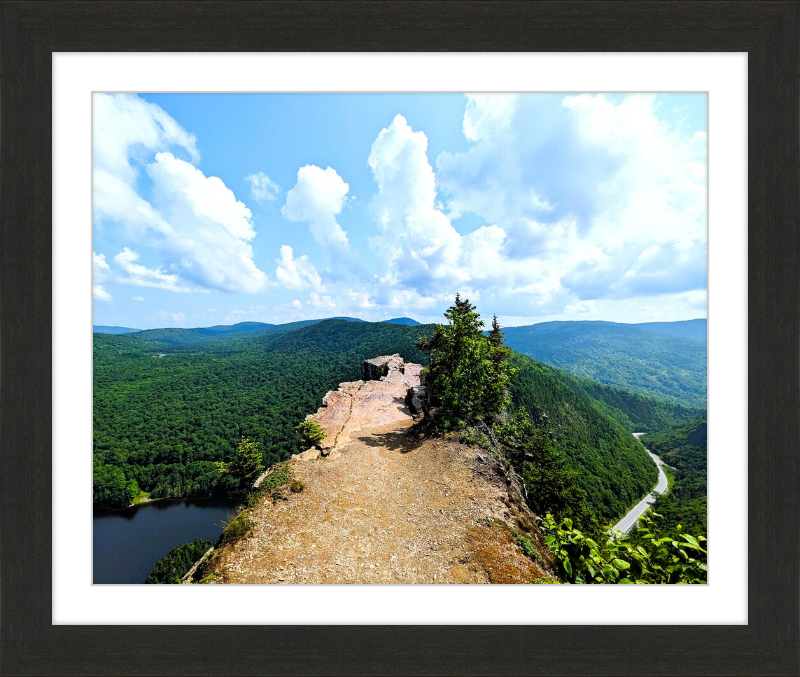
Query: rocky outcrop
[[379, 367], [379, 399]]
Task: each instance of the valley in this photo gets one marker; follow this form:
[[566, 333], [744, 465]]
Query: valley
[[171, 406]]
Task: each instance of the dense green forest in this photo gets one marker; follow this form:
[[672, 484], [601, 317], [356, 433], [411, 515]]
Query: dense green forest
[[625, 356], [165, 422], [176, 563], [684, 449], [635, 411]]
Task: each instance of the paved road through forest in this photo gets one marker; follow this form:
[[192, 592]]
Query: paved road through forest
[[633, 515]]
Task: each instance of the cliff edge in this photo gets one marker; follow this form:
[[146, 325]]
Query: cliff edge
[[384, 504]]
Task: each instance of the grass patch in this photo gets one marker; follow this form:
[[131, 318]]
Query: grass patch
[[237, 527], [271, 486], [526, 545], [143, 497]]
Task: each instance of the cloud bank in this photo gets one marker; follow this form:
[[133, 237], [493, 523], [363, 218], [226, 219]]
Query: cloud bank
[[194, 228]]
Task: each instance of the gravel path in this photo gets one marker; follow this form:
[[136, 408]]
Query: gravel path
[[386, 507]]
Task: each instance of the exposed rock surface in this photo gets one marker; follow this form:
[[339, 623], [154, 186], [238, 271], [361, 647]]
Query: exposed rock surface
[[377, 367], [386, 505]]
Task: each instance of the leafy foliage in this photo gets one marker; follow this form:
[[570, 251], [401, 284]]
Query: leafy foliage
[[625, 356], [246, 466], [469, 374], [310, 433], [177, 562], [578, 558], [111, 488], [550, 486]]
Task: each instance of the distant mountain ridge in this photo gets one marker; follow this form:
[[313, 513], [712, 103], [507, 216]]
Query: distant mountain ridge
[[696, 330], [403, 320], [633, 357], [220, 329], [102, 329]]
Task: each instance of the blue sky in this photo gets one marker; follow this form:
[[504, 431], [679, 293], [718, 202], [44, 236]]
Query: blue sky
[[221, 208]]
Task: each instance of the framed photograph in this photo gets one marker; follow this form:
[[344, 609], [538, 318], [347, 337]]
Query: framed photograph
[[698, 92]]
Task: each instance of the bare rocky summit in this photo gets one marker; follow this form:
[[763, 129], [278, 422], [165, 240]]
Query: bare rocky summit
[[384, 504]]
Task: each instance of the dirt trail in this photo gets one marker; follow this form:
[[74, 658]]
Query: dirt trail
[[385, 506]]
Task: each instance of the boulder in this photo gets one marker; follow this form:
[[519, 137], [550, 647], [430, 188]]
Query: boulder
[[307, 455], [372, 370], [412, 370]]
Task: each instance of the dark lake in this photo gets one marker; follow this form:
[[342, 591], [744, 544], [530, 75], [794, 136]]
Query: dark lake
[[127, 543]]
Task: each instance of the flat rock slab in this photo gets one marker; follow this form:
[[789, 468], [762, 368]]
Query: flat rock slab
[[332, 417]]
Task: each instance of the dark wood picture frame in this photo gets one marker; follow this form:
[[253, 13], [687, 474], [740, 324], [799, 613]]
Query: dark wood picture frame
[[31, 31]]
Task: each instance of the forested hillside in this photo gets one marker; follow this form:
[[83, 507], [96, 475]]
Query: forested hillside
[[164, 422], [685, 450], [613, 468], [625, 356], [635, 411]]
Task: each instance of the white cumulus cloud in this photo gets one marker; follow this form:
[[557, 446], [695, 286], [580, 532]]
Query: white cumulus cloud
[[318, 197], [142, 276], [194, 225], [604, 199], [296, 273], [99, 293]]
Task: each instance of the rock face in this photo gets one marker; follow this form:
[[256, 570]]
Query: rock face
[[379, 399], [417, 400], [378, 367]]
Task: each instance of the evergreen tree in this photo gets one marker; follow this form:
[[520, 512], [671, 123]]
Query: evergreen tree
[[468, 374], [496, 396], [247, 465], [310, 433], [550, 485]]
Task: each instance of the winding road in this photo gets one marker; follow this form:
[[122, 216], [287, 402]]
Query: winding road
[[633, 515]]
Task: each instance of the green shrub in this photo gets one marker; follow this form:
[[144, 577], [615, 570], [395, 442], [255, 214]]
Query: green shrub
[[238, 527], [469, 375], [310, 433]]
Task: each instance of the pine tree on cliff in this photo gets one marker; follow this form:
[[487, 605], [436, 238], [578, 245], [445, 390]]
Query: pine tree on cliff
[[247, 465], [468, 375]]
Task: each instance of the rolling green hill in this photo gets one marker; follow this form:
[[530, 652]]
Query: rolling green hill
[[620, 355], [614, 470], [403, 320]]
